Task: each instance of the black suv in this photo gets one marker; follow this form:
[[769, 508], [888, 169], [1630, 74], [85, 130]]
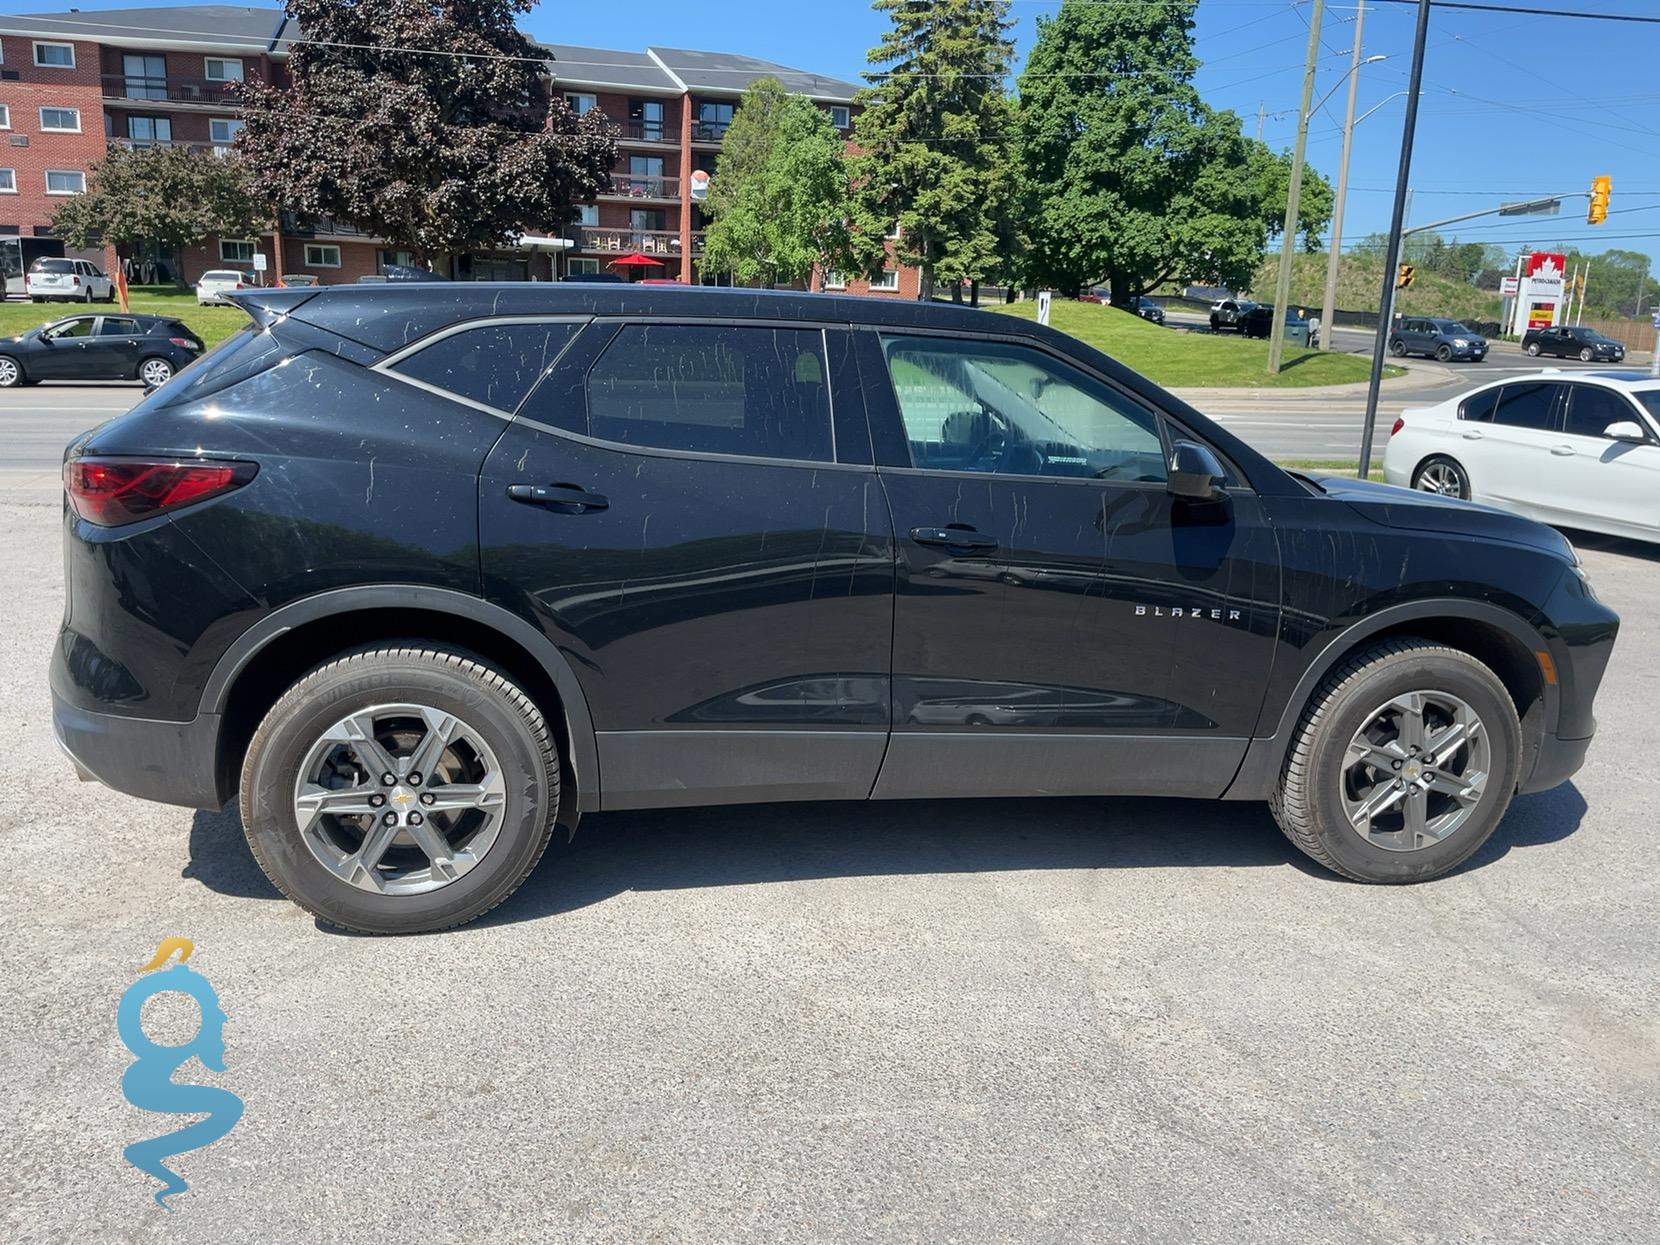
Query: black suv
[[420, 574], [1573, 343], [1445, 340]]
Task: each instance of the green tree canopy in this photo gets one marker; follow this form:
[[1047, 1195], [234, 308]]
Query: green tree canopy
[[779, 194], [423, 121], [1134, 180], [170, 196], [935, 140]]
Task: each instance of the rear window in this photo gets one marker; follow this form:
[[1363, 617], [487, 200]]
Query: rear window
[[52, 265], [244, 353], [495, 364], [221, 275]]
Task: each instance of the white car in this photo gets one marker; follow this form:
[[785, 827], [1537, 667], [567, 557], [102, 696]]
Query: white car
[[214, 284], [67, 280], [1577, 449]]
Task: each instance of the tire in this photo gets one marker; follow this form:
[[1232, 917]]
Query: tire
[[1313, 801], [1444, 354], [1398, 348], [161, 369], [110, 297], [1533, 349], [35, 298], [1586, 355], [1215, 324], [501, 735], [11, 372], [86, 296], [1442, 475]]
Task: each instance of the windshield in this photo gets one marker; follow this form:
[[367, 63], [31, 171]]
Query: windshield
[[52, 265], [1452, 326]]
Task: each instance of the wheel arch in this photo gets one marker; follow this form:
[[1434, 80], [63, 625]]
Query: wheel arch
[[1426, 459], [1503, 641], [266, 659]]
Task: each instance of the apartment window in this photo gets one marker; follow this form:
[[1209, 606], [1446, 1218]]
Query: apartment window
[[5, 117], [885, 279], [65, 182], [645, 166], [834, 280], [147, 130], [588, 214], [223, 130], [146, 76], [645, 118], [60, 120], [236, 250], [55, 55], [319, 256], [893, 231], [223, 69], [8, 181], [573, 267], [579, 103], [713, 120], [647, 218], [840, 116], [399, 259]]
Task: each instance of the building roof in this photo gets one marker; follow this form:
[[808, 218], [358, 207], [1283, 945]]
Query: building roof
[[604, 67], [731, 74], [212, 26]]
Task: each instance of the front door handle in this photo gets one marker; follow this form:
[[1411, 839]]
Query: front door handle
[[567, 498], [1562, 451], [1472, 436], [956, 539]]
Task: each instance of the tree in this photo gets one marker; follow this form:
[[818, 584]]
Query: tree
[[1134, 180], [779, 195], [426, 122], [935, 142], [166, 196]]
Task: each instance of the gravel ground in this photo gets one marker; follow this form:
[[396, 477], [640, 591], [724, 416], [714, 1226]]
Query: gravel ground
[[1000, 1021]]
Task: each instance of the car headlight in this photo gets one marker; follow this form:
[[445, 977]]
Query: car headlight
[[1460, 342]]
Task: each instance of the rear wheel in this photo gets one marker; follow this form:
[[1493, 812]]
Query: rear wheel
[[11, 373], [1442, 475], [155, 371], [1398, 348], [1403, 764], [400, 790]]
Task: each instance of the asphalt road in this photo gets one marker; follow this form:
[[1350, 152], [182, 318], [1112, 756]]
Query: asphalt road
[[1021, 1021]]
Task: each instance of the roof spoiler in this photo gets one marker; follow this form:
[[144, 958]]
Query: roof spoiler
[[266, 303]]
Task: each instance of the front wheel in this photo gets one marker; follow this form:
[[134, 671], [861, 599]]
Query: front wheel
[[399, 790], [1398, 348], [155, 372], [11, 373], [1403, 764], [1533, 349], [1444, 353], [1586, 355]]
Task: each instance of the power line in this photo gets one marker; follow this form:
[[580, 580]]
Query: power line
[[1532, 12]]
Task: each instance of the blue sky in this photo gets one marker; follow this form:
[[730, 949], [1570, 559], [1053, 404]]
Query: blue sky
[[1514, 106]]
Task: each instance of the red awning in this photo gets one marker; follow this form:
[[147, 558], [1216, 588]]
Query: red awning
[[636, 260]]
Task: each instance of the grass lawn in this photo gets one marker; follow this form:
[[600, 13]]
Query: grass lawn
[[212, 324], [1194, 360]]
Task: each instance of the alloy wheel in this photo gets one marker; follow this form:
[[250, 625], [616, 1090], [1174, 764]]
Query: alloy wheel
[[156, 372], [1415, 771], [400, 799], [10, 374], [1442, 478]]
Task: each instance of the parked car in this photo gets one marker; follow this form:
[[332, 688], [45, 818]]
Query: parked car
[[1147, 309], [1259, 322], [215, 284], [299, 280], [1581, 343], [1229, 313], [99, 347], [1445, 340], [653, 574], [1577, 448], [68, 281]]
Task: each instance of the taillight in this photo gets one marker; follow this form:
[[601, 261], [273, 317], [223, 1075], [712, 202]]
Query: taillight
[[112, 491], [1399, 424], [240, 286], [184, 343], [75, 280]]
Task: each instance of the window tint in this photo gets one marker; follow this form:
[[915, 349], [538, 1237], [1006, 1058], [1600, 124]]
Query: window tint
[[52, 265], [115, 326], [71, 328], [714, 389], [495, 364], [1592, 409], [1530, 405], [1650, 398], [1479, 406], [987, 406]]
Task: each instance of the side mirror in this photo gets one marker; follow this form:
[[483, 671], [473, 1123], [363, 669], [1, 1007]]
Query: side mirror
[[1626, 430], [1194, 472]]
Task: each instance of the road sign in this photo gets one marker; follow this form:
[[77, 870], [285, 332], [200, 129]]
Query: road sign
[[1657, 319], [1043, 306], [1532, 207], [259, 261], [1509, 287]]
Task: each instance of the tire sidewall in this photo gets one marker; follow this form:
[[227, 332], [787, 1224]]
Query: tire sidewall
[[16, 377], [1434, 671], [268, 815]]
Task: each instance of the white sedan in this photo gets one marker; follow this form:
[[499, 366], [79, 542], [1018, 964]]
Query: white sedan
[[1579, 449], [217, 282]]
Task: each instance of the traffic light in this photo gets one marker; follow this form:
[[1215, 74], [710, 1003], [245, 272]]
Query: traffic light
[[1404, 278], [1601, 188]]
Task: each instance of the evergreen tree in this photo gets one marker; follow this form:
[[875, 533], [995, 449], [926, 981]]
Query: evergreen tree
[[935, 140]]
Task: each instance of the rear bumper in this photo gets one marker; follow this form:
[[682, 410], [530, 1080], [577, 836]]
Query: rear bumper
[[169, 762]]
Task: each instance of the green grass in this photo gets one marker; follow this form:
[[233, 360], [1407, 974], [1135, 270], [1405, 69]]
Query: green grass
[[212, 324], [1194, 360], [1331, 466]]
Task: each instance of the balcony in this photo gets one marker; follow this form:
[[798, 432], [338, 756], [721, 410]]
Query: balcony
[[648, 132], [710, 131], [171, 90], [141, 144], [293, 226], [643, 186], [665, 242]]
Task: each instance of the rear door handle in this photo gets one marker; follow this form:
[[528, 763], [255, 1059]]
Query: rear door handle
[[1562, 451], [568, 498], [962, 539]]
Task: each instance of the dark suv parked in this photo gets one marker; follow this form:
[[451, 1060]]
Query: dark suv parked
[[1445, 340], [419, 574]]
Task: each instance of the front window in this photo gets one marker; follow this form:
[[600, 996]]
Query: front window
[[223, 69], [61, 120], [236, 251], [80, 327], [1591, 409], [320, 256], [65, 182], [1010, 410], [146, 76], [55, 55]]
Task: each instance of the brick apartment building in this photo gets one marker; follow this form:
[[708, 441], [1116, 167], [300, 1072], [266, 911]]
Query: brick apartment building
[[73, 83]]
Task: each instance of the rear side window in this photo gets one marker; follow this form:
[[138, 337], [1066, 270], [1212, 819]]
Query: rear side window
[[1479, 406], [1530, 405], [493, 364], [714, 389], [115, 326]]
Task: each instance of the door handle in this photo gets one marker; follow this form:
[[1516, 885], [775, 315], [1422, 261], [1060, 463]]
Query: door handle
[[1472, 436], [961, 539], [569, 498], [1562, 451]]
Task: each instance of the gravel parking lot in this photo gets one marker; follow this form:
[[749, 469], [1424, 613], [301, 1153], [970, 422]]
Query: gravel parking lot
[[1003, 1021]]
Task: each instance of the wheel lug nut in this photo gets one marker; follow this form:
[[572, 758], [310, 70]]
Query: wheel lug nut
[[390, 819], [428, 798], [415, 819], [388, 780], [1396, 764], [376, 800], [414, 780]]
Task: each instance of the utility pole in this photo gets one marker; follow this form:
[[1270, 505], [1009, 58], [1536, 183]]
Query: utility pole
[[1403, 179], [1262, 115], [1288, 247], [1328, 306]]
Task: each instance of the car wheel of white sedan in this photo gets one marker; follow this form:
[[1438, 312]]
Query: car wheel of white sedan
[[1443, 476]]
